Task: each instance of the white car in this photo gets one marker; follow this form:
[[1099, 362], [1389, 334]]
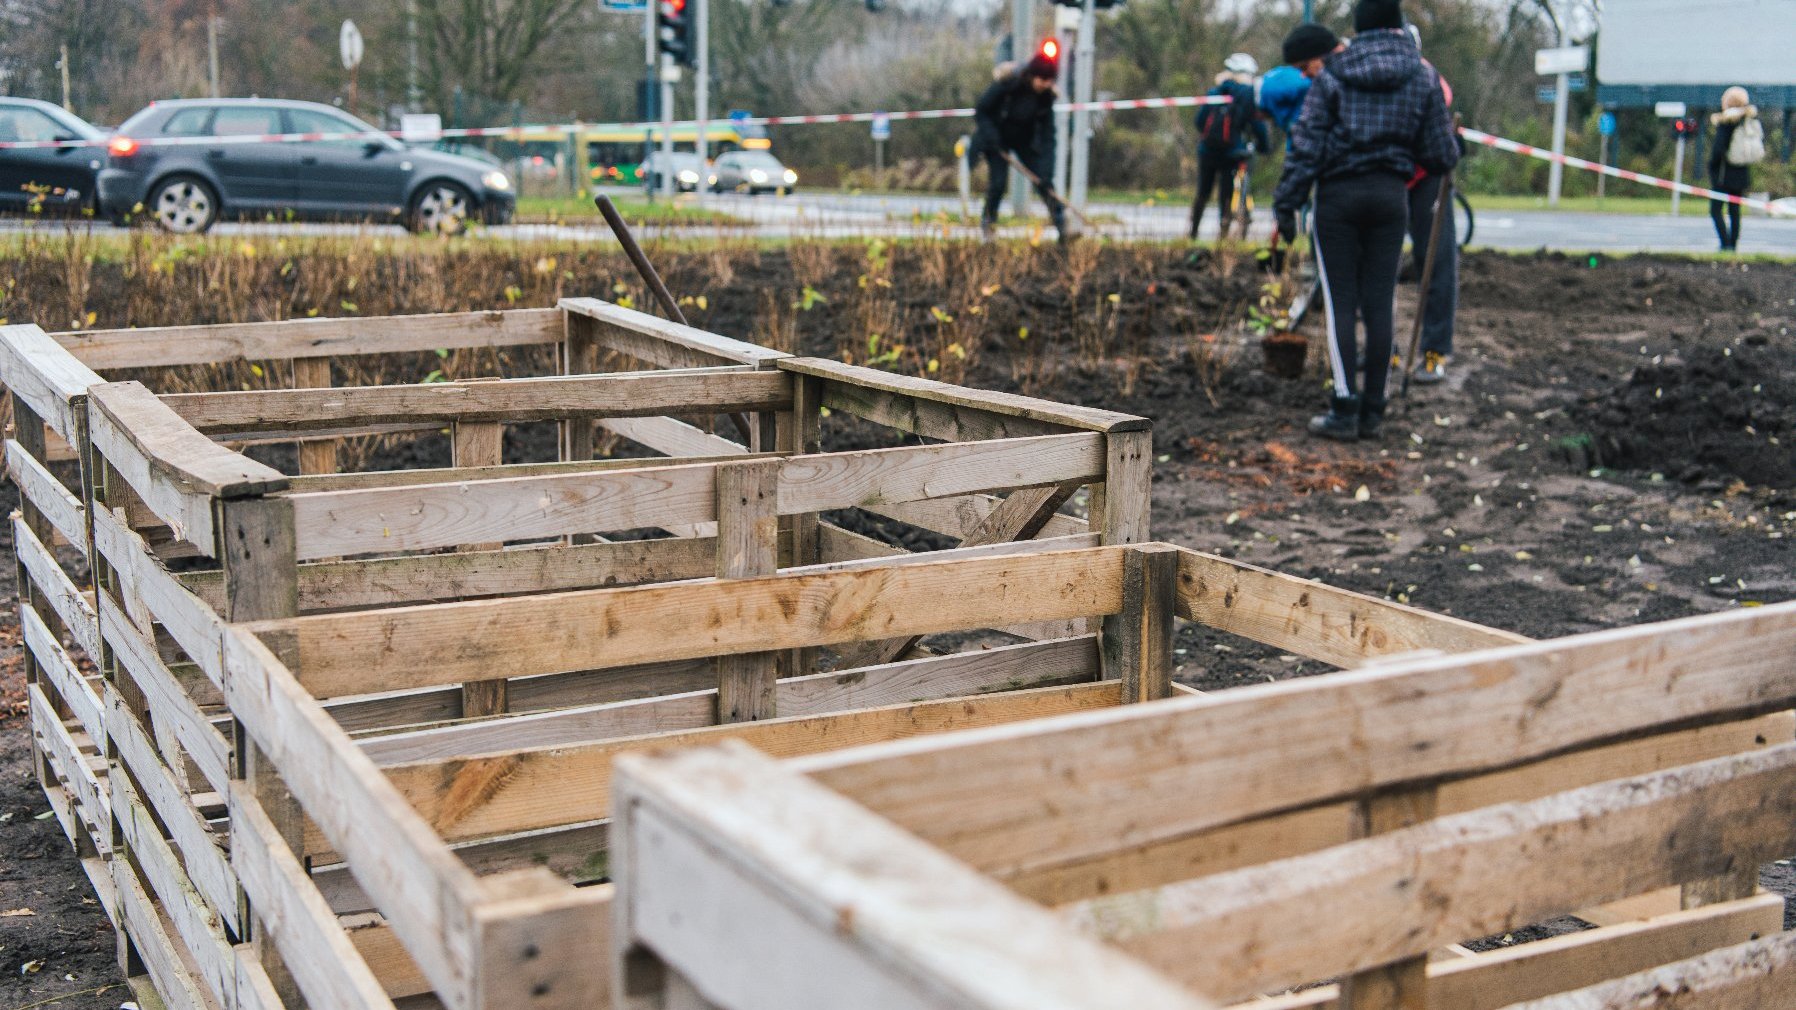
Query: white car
[[754, 172]]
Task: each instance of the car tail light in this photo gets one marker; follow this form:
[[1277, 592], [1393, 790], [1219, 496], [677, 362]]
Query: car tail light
[[122, 147]]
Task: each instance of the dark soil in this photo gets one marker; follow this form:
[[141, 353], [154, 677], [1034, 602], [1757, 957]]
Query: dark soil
[[1613, 446]]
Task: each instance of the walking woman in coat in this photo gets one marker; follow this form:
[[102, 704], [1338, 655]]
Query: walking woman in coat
[[1739, 145]]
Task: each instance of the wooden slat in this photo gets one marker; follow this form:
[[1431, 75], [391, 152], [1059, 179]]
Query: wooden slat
[[507, 791], [42, 375], [551, 633], [194, 626], [1338, 736], [169, 702], [457, 474], [626, 394], [150, 940], [56, 744], [662, 342], [809, 898], [54, 586], [675, 438], [748, 537], [53, 501], [1750, 976], [1006, 404], [304, 338], [55, 666], [324, 961], [1137, 641], [1320, 622], [962, 516], [1474, 874]]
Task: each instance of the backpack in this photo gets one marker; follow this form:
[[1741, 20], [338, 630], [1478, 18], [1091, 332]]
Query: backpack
[[1223, 126], [1748, 144]]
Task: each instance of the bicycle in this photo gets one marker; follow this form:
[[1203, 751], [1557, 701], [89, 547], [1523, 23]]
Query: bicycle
[[1463, 219]]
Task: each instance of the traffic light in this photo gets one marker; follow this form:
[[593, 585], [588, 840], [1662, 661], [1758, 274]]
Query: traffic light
[[1050, 48], [1683, 128], [1102, 5], [674, 36]]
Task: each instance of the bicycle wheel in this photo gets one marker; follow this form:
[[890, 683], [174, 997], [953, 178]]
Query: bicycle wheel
[[1463, 220]]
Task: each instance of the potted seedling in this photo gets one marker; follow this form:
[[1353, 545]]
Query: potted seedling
[[1269, 318]]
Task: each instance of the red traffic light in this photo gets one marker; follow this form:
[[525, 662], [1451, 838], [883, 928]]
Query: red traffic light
[[1051, 48], [674, 6]]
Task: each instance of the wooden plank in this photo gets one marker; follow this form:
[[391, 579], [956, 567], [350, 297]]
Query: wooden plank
[[1490, 980], [667, 343], [541, 942], [150, 940], [1473, 874], [196, 628], [929, 418], [422, 887], [385, 956], [52, 585], [675, 438], [1137, 642], [434, 578], [558, 728], [1314, 620], [808, 897], [457, 474], [1339, 736], [310, 338], [1008, 404], [316, 456], [747, 547], [407, 647], [1750, 976], [623, 394], [961, 516], [579, 356], [53, 738], [168, 701], [872, 477], [1128, 488], [479, 444], [43, 491], [40, 374], [56, 668], [315, 949], [476, 795]]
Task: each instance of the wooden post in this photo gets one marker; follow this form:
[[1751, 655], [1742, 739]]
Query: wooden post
[[480, 444], [1128, 488], [747, 547], [258, 551], [1402, 985], [315, 456], [1137, 642], [579, 356], [803, 434]]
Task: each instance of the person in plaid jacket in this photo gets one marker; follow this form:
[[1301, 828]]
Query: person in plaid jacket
[[1374, 115]]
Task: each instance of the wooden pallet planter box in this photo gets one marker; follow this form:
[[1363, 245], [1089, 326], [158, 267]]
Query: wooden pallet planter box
[[1242, 847]]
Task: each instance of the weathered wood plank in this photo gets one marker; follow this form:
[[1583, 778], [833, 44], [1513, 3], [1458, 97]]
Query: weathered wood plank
[[1137, 642], [172, 706], [1750, 976], [39, 373], [94, 805], [1310, 619], [457, 474], [1474, 874], [1339, 736], [316, 456], [309, 338], [53, 586], [478, 795], [54, 502], [661, 341], [194, 626], [811, 897], [150, 941], [747, 547], [1008, 404], [675, 438], [56, 668], [623, 394], [873, 477], [453, 642]]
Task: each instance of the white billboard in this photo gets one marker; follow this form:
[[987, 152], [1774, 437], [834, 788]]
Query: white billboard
[[1697, 42]]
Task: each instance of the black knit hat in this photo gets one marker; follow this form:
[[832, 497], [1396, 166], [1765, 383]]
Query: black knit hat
[[1042, 66], [1373, 14], [1308, 41]]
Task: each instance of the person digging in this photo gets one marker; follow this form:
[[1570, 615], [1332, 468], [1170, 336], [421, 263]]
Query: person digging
[[1015, 116]]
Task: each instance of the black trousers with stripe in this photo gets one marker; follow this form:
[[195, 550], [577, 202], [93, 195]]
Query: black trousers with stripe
[[1360, 223]]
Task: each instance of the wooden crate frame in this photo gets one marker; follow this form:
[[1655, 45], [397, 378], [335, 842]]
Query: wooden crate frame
[[361, 869], [1167, 856]]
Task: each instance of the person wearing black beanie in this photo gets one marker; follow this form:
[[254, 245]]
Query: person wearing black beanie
[[1371, 15], [1309, 41], [1016, 115]]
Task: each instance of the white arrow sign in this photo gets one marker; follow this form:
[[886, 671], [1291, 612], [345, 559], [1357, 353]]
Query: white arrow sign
[[349, 45]]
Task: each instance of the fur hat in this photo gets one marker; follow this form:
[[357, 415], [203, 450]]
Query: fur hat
[[1308, 41], [1370, 15]]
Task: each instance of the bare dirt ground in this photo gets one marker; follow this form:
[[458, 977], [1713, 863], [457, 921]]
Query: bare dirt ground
[[1617, 444]]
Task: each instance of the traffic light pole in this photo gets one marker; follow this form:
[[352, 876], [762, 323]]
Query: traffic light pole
[[1022, 38], [651, 60], [670, 181], [1084, 73], [701, 90]]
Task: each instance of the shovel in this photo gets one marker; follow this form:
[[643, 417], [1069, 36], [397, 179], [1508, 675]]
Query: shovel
[[1036, 182], [1441, 207]]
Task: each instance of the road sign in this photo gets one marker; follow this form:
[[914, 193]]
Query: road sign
[[349, 45], [1577, 82], [882, 126], [1671, 110], [1605, 124], [624, 6], [418, 127], [1546, 94], [1565, 60], [739, 115]]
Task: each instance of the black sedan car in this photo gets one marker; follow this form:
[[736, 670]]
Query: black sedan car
[[209, 171], [45, 179]]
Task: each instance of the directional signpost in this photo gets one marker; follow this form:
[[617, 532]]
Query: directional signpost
[[882, 132], [1560, 63], [350, 47], [1605, 126]]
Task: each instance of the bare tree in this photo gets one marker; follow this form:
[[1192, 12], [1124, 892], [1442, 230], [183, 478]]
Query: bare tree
[[488, 47]]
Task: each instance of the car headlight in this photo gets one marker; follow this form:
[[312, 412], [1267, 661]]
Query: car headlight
[[758, 176], [687, 175], [496, 180], [791, 177]]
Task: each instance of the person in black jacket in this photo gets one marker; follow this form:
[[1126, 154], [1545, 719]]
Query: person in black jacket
[[1730, 163], [1227, 136], [1374, 115], [1016, 114]]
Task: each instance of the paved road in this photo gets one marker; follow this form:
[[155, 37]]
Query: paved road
[[839, 215]]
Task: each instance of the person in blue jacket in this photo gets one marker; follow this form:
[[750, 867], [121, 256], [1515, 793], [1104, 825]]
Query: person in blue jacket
[[1282, 91], [1226, 138]]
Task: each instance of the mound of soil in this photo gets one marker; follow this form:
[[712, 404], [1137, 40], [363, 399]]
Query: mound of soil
[[1726, 414]]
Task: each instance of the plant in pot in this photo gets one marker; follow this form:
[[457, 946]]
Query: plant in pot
[[1269, 318]]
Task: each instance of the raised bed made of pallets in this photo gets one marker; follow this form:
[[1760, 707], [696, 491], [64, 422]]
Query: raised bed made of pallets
[[1248, 846]]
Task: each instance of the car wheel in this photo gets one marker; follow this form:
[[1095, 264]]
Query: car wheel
[[441, 208], [184, 205]]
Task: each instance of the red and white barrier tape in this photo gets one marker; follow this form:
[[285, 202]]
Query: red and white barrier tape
[[1529, 150], [518, 132]]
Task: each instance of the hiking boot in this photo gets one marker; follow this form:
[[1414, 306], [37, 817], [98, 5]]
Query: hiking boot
[[988, 231], [1371, 418], [1434, 368], [1341, 423], [1223, 222]]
